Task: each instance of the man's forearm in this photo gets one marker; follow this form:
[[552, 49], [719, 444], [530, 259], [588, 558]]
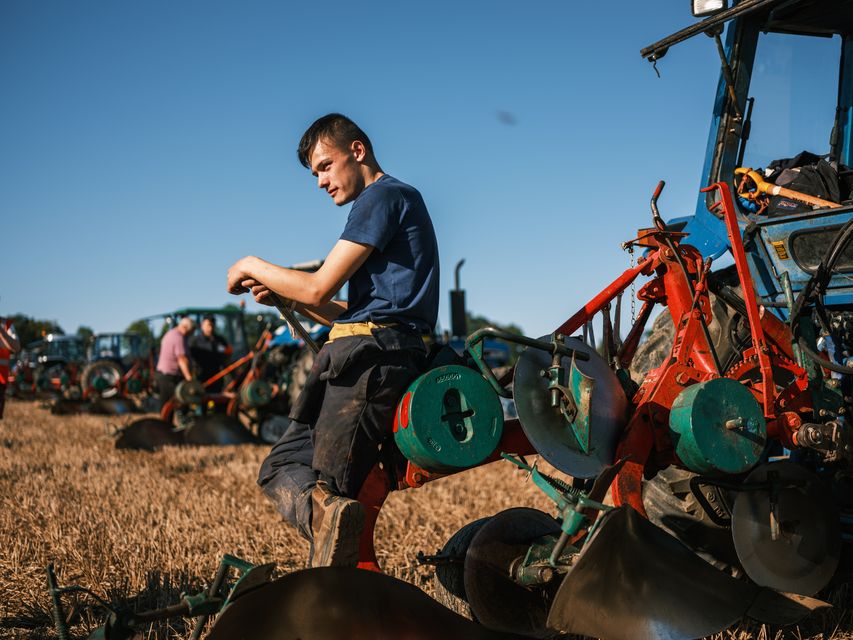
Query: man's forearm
[[313, 289], [288, 283], [184, 366], [325, 314]]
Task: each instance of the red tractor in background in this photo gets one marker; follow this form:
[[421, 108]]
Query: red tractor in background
[[49, 368], [120, 371]]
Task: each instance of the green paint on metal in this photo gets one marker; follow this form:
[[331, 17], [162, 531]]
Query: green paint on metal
[[529, 572], [134, 385], [572, 507], [718, 426], [826, 393], [256, 394], [189, 392], [475, 349], [455, 420], [581, 387]]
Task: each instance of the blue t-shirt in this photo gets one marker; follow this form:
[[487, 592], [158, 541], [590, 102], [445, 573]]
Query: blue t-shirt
[[398, 283]]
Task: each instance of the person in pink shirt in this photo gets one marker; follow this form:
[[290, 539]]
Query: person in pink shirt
[[173, 364]]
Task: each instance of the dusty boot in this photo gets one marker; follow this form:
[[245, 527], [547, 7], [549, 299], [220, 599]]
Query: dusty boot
[[336, 523]]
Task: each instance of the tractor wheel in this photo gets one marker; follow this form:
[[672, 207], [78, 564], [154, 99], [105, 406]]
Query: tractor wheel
[[450, 574], [658, 343], [671, 505], [301, 367], [654, 347], [101, 378]]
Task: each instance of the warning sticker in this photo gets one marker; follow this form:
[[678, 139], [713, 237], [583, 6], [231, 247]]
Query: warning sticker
[[779, 245]]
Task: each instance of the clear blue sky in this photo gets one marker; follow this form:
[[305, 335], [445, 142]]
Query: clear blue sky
[[145, 146]]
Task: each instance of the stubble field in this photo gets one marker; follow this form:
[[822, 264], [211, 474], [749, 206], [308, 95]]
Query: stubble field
[[145, 527]]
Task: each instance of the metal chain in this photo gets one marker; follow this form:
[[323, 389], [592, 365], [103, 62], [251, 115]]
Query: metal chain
[[633, 288]]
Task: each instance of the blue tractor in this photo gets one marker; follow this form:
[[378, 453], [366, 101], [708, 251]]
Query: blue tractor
[[789, 235], [781, 143]]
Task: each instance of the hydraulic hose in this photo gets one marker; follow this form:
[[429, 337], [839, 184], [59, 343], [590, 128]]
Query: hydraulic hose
[[817, 284], [824, 270], [823, 362]]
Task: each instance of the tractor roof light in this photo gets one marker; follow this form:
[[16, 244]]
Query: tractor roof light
[[702, 8]]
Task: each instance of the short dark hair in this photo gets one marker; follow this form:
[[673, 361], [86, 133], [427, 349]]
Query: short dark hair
[[209, 318], [335, 127]]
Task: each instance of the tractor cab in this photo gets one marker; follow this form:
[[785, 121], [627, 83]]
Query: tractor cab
[[55, 350], [229, 323], [786, 87], [50, 364], [122, 348]]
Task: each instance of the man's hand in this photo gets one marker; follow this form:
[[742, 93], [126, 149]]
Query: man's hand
[[184, 366], [239, 272], [260, 292]]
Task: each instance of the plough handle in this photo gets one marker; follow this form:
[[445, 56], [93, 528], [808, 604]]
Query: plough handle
[[293, 321]]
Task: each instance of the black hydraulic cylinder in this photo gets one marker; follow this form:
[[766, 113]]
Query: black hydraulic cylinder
[[458, 322], [458, 319]]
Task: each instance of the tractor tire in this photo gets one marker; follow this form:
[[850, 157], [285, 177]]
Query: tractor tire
[[671, 505], [450, 576], [654, 347], [301, 367], [658, 342], [106, 369]]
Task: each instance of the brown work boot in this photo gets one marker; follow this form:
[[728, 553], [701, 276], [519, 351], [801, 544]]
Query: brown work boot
[[336, 523]]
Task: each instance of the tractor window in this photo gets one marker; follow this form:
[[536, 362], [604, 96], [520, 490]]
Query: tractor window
[[233, 332], [809, 247], [795, 86], [129, 347]]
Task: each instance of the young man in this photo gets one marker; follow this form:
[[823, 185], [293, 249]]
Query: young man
[[9, 345], [389, 256]]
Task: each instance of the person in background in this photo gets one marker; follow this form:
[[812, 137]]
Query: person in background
[[209, 352], [9, 345], [173, 365]]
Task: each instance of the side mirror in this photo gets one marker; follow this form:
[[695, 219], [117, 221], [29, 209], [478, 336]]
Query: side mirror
[[702, 8]]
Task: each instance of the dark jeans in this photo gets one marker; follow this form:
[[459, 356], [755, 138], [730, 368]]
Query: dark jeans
[[286, 476], [166, 384], [340, 422], [2, 399]]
